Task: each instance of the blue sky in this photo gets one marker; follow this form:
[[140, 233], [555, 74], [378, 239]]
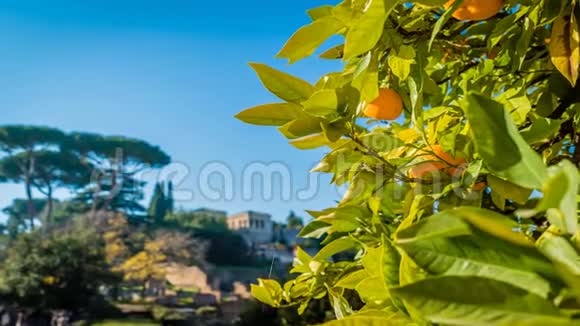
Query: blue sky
[[171, 72]]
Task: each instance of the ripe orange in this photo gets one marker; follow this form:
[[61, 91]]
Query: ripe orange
[[479, 186], [438, 160], [388, 106], [476, 9]]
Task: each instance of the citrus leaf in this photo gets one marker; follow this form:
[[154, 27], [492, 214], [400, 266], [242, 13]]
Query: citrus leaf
[[446, 300], [509, 190], [499, 143], [373, 318], [308, 38], [560, 197], [300, 127], [314, 229], [351, 280], [310, 142], [321, 103], [368, 29], [442, 20], [565, 47], [564, 257], [334, 247], [283, 85], [275, 114], [477, 254]]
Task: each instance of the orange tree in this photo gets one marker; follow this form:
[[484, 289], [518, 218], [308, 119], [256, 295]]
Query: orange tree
[[463, 210]]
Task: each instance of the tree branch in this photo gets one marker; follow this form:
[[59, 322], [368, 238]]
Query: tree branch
[[390, 168]]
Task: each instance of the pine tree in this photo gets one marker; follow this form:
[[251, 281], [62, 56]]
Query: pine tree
[[158, 205], [169, 201]]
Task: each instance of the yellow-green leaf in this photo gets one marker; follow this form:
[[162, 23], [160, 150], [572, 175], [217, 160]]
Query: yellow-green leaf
[[565, 47], [308, 38], [283, 85], [275, 114]]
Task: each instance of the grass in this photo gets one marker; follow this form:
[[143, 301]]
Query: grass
[[126, 322]]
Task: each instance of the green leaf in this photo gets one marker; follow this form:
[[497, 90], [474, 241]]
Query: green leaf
[[442, 20], [343, 219], [351, 280], [491, 223], [382, 268], [501, 30], [366, 77], [314, 229], [565, 47], [333, 132], [368, 29], [564, 257], [456, 300], [275, 114], [509, 190], [401, 62], [477, 254], [380, 141], [541, 130], [335, 52], [339, 304], [321, 103], [319, 12], [310, 142], [283, 85], [301, 127], [261, 294], [373, 318], [334, 247], [499, 143], [301, 262], [308, 38], [441, 224], [522, 46], [267, 291], [372, 289], [560, 197]]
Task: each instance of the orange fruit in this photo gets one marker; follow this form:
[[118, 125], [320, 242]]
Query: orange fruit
[[476, 9], [479, 186], [387, 106], [437, 160]]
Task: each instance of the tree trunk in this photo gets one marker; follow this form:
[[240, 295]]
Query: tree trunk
[[113, 190], [20, 319], [28, 184], [60, 318], [31, 210], [49, 206], [94, 205]]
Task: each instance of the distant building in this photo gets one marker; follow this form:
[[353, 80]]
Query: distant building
[[217, 214], [255, 227]]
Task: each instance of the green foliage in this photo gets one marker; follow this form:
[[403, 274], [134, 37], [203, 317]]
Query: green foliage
[[114, 162], [158, 205], [18, 214], [259, 314], [103, 167], [293, 221], [197, 221], [225, 247], [464, 211], [61, 270]]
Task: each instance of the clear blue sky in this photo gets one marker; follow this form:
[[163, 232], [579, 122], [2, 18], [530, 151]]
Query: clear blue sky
[[171, 72]]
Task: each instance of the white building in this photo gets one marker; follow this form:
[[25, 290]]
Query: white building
[[255, 227]]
